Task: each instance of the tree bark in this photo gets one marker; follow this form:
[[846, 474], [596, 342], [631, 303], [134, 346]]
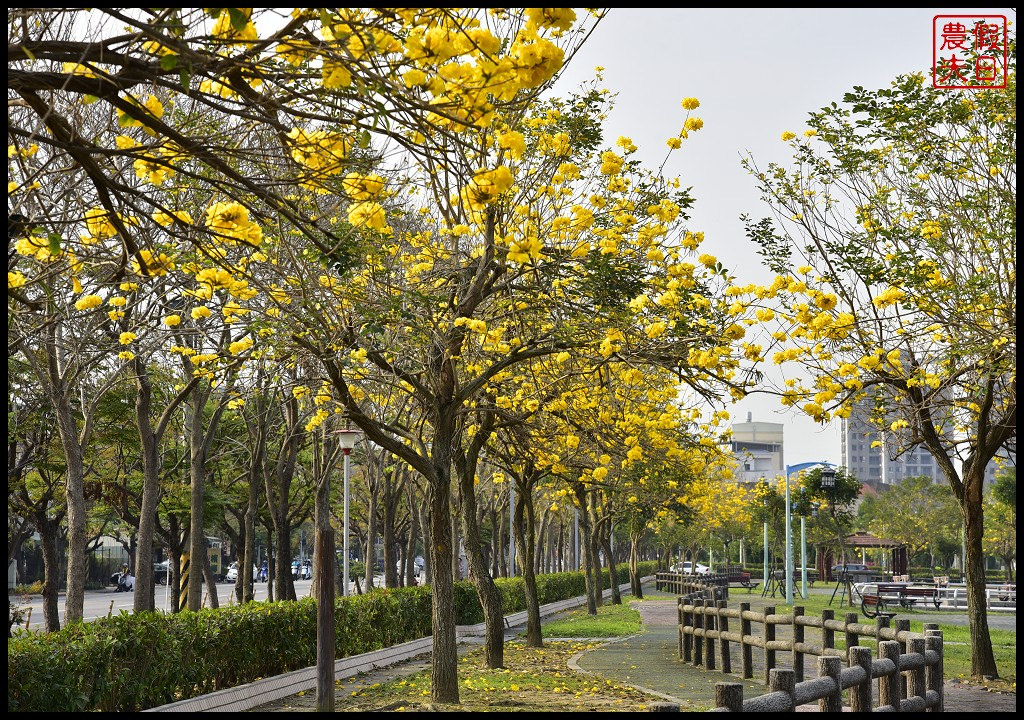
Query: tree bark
[[983, 661], [523, 530], [490, 598], [634, 572], [371, 535], [444, 679], [47, 528]]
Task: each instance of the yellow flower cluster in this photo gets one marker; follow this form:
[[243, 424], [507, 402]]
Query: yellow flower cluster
[[229, 221]]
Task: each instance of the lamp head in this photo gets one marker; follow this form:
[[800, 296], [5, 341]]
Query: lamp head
[[828, 477]]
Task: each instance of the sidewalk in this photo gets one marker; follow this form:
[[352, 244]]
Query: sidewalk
[[650, 661]]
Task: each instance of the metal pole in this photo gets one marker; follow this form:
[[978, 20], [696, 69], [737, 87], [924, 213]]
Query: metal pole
[[511, 526], [803, 557], [789, 544], [344, 572], [765, 576]]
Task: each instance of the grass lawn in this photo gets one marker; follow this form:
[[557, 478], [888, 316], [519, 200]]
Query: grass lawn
[[533, 679], [610, 621]]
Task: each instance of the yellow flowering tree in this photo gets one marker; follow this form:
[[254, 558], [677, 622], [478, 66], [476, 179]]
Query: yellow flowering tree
[[902, 204]]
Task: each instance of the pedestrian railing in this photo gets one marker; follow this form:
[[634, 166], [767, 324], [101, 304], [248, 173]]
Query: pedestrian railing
[[908, 666]]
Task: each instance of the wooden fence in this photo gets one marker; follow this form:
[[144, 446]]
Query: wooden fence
[[908, 667], [712, 585]]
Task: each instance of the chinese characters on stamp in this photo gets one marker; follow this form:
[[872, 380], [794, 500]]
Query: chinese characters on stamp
[[969, 51]]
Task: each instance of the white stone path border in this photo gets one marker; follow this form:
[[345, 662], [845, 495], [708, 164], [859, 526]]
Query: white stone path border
[[265, 690]]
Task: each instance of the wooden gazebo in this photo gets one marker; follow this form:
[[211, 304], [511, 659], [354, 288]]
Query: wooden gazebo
[[898, 565]]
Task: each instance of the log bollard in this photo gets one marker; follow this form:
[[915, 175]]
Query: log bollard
[[889, 691], [769, 635], [831, 666], [860, 694], [933, 673], [798, 637], [729, 695], [783, 681]]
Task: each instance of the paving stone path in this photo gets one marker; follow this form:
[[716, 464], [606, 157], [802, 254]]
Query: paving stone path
[[651, 661]]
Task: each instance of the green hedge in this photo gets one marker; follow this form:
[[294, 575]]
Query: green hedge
[[551, 587], [136, 661]]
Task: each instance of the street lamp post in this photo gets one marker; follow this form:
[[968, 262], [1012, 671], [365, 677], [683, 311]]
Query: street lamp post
[[325, 561], [790, 469], [347, 438], [764, 484]]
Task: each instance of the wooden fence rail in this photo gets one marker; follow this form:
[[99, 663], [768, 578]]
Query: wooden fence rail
[[908, 667]]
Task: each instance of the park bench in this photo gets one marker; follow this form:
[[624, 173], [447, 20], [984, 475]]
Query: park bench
[[906, 596], [736, 575]]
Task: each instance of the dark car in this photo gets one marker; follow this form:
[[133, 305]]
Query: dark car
[[850, 568]]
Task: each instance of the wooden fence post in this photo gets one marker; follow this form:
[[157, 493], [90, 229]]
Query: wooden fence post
[[933, 673], [687, 636], [852, 638], [723, 627], [769, 635], [710, 611], [915, 678], [831, 666], [698, 637], [729, 695], [902, 625], [746, 649], [860, 694], [798, 637], [889, 686], [828, 636], [784, 681]]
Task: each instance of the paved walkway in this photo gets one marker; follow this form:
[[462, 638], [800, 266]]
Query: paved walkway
[[651, 661]]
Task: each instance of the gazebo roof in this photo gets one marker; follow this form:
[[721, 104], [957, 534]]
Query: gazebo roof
[[867, 540]]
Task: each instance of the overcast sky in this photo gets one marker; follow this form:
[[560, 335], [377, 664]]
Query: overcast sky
[[756, 74]]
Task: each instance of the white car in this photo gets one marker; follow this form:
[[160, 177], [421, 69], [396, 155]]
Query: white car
[[688, 568]]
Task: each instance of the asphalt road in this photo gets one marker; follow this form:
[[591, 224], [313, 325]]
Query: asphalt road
[[100, 603]]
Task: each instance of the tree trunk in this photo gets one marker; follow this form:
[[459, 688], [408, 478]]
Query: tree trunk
[[613, 577], [144, 589], [983, 662], [197, 475], [284, 587], [390, 542], [47, 529], [370, 555], [634, 572], [428, 562], [211, 581], [495, 542], [502, 530], [74, 600], [490, 598], [323, 586], [444, 679], [523, 530], [410, 553]]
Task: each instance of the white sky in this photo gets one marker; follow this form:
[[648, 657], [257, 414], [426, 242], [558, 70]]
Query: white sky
[[756, 74]]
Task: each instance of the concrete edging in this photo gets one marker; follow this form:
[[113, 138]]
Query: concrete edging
[[258, 692]]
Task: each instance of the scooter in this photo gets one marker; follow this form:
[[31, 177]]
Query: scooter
[[126, 583]]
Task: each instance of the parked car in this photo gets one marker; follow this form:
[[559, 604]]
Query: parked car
[[850, 568], [688, 568]]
